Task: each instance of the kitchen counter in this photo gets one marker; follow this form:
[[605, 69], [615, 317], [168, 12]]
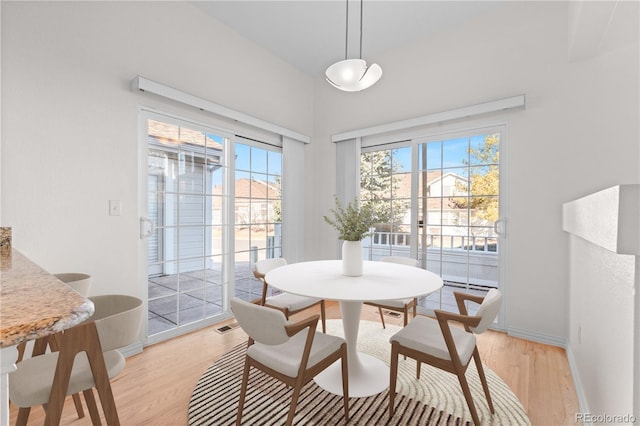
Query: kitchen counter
[[34, 303]]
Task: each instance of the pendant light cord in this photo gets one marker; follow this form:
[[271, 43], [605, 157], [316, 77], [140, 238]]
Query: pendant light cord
[[360, 28], [346, 36]]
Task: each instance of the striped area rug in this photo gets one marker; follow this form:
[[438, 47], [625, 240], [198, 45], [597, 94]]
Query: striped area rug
[[436, 399]]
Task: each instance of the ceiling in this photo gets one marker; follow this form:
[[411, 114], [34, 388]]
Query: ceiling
[[310, 35]]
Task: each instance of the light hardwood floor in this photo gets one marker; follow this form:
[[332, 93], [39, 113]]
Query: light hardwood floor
[[155, 386]]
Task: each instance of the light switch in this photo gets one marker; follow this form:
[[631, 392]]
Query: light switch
[[114, 207]]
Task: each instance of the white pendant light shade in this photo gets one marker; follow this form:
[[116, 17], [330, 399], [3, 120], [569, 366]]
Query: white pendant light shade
[[352, 75]]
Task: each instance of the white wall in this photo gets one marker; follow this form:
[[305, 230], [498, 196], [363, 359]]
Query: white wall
[[579, 133], [70, 120]]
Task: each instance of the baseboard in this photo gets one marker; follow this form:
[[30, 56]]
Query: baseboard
[[537, 337], [132, 349], [577, 383]]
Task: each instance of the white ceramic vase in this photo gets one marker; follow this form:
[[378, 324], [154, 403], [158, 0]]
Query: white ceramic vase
[[352, 258]]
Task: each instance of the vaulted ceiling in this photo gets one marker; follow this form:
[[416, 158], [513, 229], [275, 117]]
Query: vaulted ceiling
[[311, 34]]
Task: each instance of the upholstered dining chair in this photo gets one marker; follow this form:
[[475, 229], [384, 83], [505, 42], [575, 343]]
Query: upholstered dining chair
[[77, 281], [288, 303], [287, 352], [402, 305], [437, 343], [47, 379]]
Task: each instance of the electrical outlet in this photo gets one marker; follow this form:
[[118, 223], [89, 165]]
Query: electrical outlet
[[114, 207]]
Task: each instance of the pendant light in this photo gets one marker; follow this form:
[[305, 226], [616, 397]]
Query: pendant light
[[353, 75]]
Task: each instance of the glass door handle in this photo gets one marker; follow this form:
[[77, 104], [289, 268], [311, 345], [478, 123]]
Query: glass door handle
[[499, 227], [147, 227]]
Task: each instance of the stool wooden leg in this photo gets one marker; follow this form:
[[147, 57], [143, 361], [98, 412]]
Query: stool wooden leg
[[54, 344], [78, 403], [82, 338], [92, 407], [21, 347], [23, 416]]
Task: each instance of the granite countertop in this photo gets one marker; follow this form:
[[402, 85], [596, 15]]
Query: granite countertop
[[34, 303]]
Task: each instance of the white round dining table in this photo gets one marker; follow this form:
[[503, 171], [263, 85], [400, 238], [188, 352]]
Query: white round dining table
[[323, 279]]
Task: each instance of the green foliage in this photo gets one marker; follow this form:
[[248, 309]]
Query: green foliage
[[354, 222], [276, 205], [485, 181], [379, 178]]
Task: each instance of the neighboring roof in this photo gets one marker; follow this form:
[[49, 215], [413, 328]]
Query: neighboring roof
[[246, 188], [256, 189], [171, 134]]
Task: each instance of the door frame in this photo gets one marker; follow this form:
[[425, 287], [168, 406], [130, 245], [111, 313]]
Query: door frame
[[144, 114]]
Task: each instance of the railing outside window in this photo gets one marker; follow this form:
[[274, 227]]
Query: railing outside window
[[452, 242]]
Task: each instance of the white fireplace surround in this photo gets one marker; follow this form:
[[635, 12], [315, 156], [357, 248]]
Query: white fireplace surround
[[604, 311]]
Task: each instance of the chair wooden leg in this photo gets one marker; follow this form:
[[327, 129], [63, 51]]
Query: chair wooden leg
[[406, 321], [23, 416], [345, 381], [381, 317], [418, 364], [92, 407], [393, 376], [467, 396], [323, 317], [483, 379], [294, 401], [243, 390]]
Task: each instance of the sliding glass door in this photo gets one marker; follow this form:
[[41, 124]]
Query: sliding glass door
[[213, 205], [441, 203]]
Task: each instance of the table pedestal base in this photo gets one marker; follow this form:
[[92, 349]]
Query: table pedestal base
[[367, 374]]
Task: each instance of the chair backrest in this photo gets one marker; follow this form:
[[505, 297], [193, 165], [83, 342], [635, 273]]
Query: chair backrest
[[488, 310], [264, 266], [118, 318], [402, 260], [262, 324], [77, 281]]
